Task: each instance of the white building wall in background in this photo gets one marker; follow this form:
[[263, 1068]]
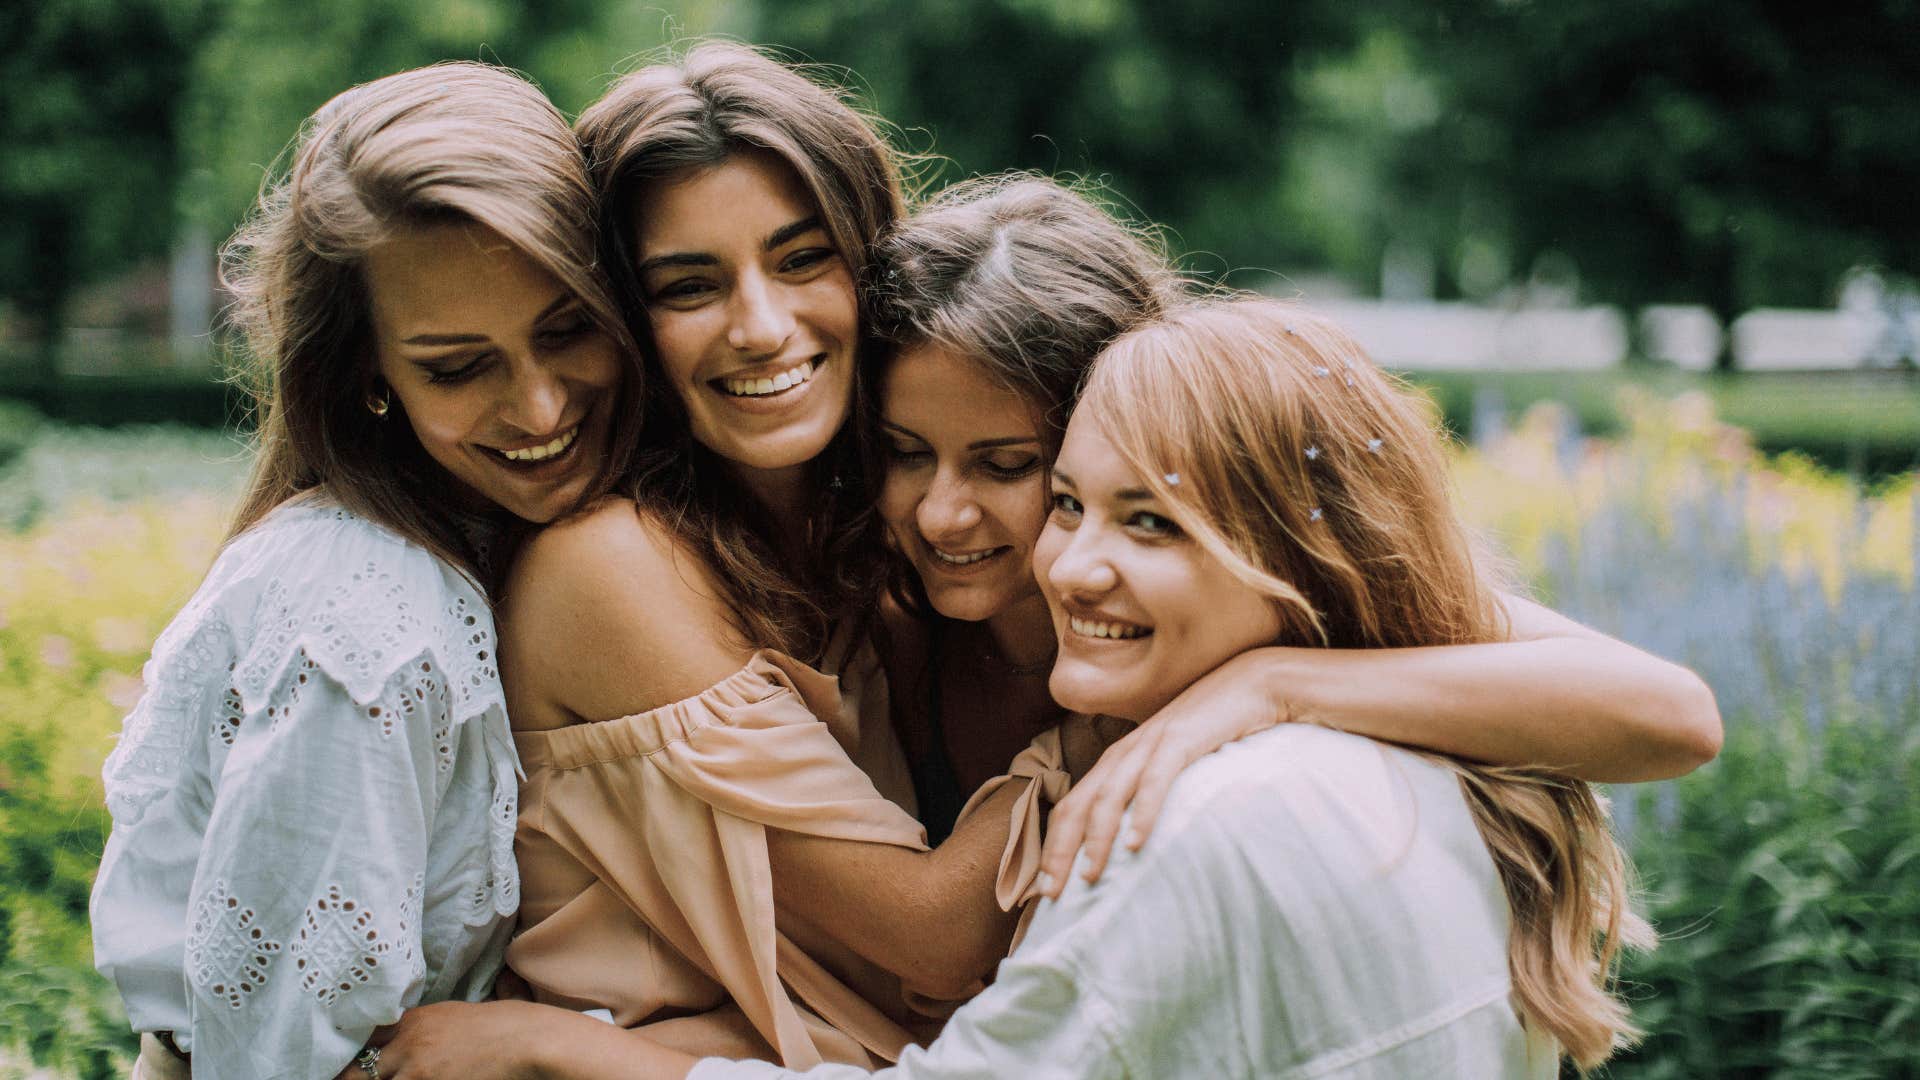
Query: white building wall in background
[[1777, 339], [1687, 336]]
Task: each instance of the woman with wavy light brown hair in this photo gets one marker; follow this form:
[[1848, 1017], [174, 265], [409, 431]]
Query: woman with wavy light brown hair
[[313, 800]]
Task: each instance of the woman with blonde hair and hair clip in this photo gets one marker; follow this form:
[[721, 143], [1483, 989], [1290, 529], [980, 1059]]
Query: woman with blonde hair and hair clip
[[313, 801], [1314, 903]]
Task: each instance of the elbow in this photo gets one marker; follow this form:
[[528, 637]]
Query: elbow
[[1710, 736], [1697, 733], [951, 965], [946, 980]]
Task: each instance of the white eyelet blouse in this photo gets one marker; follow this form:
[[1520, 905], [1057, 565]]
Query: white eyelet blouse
[[313, 802]]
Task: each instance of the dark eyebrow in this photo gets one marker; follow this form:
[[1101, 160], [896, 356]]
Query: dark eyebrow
[[557, 303], [787, 232], [678, 258], [982, 444], [780, 236]]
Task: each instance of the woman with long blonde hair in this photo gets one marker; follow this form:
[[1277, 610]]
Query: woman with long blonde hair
[[1317, 482]]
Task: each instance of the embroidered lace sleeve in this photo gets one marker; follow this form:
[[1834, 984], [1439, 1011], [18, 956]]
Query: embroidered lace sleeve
[[313, 804], [304, 929]]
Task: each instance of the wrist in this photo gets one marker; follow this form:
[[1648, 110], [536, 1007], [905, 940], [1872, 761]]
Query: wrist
[[537, 1054], [1286, 681]]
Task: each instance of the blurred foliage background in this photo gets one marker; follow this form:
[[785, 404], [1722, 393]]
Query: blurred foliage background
[[1680, 150], [1761, 528]]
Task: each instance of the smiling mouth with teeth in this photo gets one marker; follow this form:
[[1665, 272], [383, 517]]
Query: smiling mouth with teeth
[[545, 450], [785, 380], [963, 560], [1096, 628]]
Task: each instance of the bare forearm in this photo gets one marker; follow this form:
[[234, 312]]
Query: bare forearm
[[599, 1051], [1593, 707], [930, 917]]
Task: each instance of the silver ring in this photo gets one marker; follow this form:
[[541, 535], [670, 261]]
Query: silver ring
[[369, 1062]]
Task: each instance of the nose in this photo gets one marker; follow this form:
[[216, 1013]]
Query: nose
[[947, 510], [1080, 570], [536, 398], [759, 318]]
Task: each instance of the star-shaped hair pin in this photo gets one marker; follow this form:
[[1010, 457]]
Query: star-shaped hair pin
[[1374, 445], [1172, 479]]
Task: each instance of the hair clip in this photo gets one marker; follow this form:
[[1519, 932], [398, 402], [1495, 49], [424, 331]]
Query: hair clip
[[1289, 328], [1172, 479], [1313, 453], [1314, 514], [1321, 372], [1374, 445], [1349, 380]]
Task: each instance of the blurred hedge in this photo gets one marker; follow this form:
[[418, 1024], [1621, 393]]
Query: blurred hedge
[[1866, 424]]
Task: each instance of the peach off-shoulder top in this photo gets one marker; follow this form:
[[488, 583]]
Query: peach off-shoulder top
[[645, 883], [646, 888]]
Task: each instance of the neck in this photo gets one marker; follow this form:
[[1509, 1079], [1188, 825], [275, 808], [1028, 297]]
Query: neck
[[783, 494], [1023, 633]]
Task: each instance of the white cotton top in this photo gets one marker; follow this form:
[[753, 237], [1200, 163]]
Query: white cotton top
[[313, 802], [1312, 904]]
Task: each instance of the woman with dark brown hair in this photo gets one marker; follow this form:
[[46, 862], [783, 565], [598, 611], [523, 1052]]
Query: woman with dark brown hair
[[313, 801], [710, 764]]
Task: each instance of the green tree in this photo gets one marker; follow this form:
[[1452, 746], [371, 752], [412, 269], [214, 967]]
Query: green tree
[[1683, 150], [268, 64], [1183, 108], [90, 128]]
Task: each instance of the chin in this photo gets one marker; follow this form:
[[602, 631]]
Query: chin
[[1085, 691], [961, 605], [785, 449]]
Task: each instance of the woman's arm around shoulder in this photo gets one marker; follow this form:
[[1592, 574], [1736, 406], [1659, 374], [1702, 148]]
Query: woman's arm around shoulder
[[1557, 695]]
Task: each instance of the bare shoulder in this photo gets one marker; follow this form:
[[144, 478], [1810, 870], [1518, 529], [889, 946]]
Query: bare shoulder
[[607, 613]]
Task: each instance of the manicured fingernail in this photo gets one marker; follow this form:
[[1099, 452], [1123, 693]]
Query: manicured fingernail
[[1135, 839], [1044, 882]]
